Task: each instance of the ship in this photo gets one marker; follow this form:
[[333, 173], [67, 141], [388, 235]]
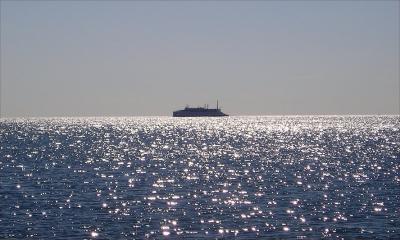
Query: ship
[[199, 112]]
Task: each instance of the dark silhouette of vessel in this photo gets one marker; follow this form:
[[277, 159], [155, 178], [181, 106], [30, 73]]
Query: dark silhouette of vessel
[[199, 112]]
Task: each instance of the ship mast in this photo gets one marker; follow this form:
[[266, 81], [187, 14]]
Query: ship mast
[[217, 103]]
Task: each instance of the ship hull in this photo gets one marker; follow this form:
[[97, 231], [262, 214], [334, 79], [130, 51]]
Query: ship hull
[[198, 115], [200, 112]]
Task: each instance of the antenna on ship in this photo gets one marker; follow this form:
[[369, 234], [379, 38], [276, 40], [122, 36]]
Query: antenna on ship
[[217, 103]]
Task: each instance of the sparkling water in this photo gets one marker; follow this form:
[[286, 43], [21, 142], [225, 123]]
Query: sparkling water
[[232, 177]]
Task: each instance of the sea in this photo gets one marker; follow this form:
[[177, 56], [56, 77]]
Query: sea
[[267, 177]]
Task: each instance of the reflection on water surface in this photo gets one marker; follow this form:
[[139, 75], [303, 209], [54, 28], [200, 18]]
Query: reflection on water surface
[[242, 177]]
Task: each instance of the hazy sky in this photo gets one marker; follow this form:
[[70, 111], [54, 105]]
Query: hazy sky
[[124, 58]]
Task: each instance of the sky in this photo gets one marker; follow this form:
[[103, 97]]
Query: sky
[[137, 58]]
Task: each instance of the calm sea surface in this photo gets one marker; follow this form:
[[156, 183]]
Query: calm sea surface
[[235, 177]]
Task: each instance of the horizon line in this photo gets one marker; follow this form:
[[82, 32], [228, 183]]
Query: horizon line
[[170, 116]]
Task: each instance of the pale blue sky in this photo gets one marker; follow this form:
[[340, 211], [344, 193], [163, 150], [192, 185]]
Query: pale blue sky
[[123, 58]]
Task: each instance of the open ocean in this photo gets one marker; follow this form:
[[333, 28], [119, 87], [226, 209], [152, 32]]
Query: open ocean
[[193, 178]]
